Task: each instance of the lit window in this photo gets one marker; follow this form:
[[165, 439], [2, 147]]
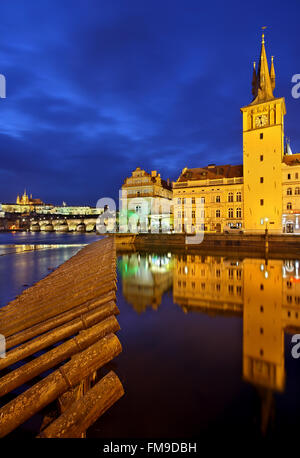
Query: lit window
[[230, 213]]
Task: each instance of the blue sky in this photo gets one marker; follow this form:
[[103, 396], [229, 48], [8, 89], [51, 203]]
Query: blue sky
[[96, 88]]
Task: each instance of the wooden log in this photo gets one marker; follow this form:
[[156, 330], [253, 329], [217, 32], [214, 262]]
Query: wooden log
[[22, 319], [84, 412], [58, 354], [47, 390], [56, 335], [54, 322]]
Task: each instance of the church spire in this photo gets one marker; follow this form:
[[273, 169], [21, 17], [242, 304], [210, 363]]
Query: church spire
[[272, 73], [264, 90], [254, 81]]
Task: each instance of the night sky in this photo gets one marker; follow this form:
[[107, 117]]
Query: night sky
[[96, 88]]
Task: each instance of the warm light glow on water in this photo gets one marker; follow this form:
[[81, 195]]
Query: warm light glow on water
[[206, 347], [206, 341]]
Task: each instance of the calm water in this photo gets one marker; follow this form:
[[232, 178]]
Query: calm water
[[27, 257], [206, 340]]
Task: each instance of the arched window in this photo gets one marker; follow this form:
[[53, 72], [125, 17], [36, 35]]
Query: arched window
[[239, 196], [289, 191], [238, 212], [218, 213], [230, 197], [230, 212], [289, 206]]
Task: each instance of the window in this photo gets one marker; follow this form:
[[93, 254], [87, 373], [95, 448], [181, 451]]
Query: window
[[230, 197], [261, 179], [297, 191], [261, 136], [261, 157], [179, 214], [218, 213], [230, 289], [203, 200], [218, 198], [289, 191], [238, 212], [261, 202], [296, 176], [289, 206], [230, 212], [289, 176], [193, 214], [239, 196], [179, 201], [261, 287], [218, 273], [193, 200]]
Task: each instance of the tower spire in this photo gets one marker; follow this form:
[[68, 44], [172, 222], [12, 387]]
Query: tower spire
[[272, 73], [254, 81], [264, 83]]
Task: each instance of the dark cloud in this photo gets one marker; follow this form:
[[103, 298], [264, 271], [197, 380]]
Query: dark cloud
[[96, 88]]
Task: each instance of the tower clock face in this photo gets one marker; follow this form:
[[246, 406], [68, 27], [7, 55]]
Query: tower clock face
[[261, 121]]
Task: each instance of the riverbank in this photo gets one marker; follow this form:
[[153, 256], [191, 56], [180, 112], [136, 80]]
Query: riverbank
[[273, 245]]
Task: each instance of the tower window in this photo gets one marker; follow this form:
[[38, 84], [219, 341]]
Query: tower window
[[261, 136], [261, 157], [261, 202], [261, 179]]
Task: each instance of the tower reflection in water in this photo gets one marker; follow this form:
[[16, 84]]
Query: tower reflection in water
[[265, 293]]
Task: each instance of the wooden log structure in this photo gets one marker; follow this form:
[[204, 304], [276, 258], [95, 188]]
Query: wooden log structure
[[66, 324]]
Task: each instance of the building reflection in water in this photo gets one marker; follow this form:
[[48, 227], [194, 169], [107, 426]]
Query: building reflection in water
[[266, 293], [145, 278]]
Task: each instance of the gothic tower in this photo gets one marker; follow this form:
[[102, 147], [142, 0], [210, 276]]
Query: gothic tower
[[263, 149]]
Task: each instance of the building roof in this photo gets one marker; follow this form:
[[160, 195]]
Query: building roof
[[211, 172], [291, 159]]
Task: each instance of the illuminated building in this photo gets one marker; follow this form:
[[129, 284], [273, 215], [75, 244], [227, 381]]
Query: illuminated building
[[26, 204], [262, 193], [146, 201]]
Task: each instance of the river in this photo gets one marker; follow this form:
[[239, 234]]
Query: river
[[206, 339]]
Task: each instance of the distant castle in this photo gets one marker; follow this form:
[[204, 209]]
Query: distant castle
[[25, 200]]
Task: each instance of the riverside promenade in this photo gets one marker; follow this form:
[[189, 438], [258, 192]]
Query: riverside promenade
[[58, 334]]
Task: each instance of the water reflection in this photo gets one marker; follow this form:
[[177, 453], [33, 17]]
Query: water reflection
[[145, 278], [265, 293]]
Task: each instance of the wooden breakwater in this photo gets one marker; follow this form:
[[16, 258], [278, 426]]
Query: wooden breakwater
[[60, 332], [254, 244]]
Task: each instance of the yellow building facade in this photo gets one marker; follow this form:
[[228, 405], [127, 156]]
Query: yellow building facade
[[264, 192], [149, 197]]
